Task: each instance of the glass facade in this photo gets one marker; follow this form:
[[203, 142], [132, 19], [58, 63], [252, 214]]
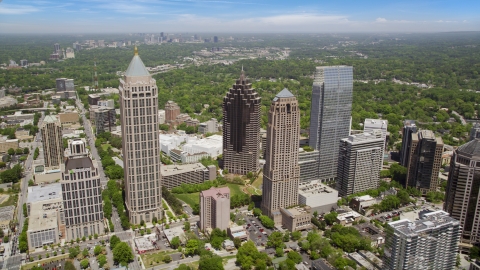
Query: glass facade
[[330, 115]]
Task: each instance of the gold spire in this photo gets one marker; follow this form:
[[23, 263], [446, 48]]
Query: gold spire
[[136, 50]]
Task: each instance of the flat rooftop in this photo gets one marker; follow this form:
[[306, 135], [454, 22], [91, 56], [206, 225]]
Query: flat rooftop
[[347, 215], [6, 213], [296, 211], [41, 220], [168, 170], [314, 188], [175, 231], [430, 221], [145, 243], [46, 192]]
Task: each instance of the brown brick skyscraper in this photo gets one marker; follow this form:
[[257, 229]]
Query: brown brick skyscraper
[[241, 128], [281, 173]]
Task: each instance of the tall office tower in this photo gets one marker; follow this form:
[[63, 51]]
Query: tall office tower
[[281, 173], [140, 145], [215, 39], [52, 141], [82, 192], [172, 110], [215, 208], [425, 161], [308, 162], [409, 127], [24, 63], [359, 163], [241, 128], [428, 243], [475, 131], [56, 48], [462, 196], [330, 115]]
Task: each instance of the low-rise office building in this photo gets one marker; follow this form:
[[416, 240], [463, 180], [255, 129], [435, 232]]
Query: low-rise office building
[[211, 126], [177, 174], [69, 118], [6, 144], [319, 197], [362, 202], [186, 158], [297, 218], [238, 232], [43, 227], [6, 216]]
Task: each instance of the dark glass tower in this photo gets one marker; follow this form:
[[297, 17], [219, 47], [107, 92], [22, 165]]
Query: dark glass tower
[[241, 128]]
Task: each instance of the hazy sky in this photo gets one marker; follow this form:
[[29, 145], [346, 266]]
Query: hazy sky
[[90, 16]]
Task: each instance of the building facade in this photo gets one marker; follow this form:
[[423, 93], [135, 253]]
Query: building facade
[[281, 173], [462, 196], [172, 110], [424, 161], [175, 175], [215, 208], [409, 127], [296, 218], [359, 163], [82, 192], [211, 126], [475, 131], [140, 145], [308, 162], [105, 119], [241, 128], [330, 115], [51, 131], [428, 243]]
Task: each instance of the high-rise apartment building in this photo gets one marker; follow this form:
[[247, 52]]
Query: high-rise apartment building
[[241, 128], [359, 162], [140, 145], [462, 196], [105, 119], [82, 192], [172, 110], [409, 127], [424, 161], [51, 131], [215, 208], [330, 115], [428, 243], [281, 173]]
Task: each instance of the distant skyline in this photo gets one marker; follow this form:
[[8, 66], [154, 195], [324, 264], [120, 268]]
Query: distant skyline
[[232, 16]]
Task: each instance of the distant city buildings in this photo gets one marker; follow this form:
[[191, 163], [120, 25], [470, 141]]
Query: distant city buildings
[[141, 149], [281, 173], [428, 243], [330, 115], [462, 194], [424, 161], [51, 131], [215, 208], [82, 192], [409, 127], [359, 162], [23, 63], [64, 84], [241, 128]]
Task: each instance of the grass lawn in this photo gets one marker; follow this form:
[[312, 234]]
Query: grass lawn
[[258, 181], [254, 191], [234, 189], [188, 198], [105, 146], [12, 199], [51, 259], [153, 259]]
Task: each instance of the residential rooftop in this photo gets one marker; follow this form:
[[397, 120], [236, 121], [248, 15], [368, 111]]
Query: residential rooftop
[[430, 221]]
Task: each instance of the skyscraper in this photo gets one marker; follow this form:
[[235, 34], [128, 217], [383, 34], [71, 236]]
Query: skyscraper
[[241, 128], [281, 173], [409, 127], [52, 141], [424, 161], [215, 208], [81, 191], [462, 197], [140, 145], [330, 115], [56, 48], [428, 243], [359, 162]]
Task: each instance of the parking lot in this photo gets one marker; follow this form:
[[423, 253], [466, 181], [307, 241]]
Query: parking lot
[[258, 233]]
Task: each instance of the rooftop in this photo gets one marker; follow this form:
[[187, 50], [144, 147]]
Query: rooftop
[[136, 67], [376, 123], [46, 192], [314, 188], [50, 119], [429, 222], [215, 191], [168, 170], [285, 93], [363, 137], [470, 148], [348, 215], [296, 211], [6, 213], [42, 220]]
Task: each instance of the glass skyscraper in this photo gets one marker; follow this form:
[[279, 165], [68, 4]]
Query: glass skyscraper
[[330, 115]]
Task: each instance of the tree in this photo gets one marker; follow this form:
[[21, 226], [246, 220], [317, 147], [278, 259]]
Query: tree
[[25, 214], [208, 260], [249, 256], [84, 263], [73, 252], [286, 236], [175, 242], [85, 253], [26, 150], [237, 242], [330, 218], [122, 253], [3, 164], [183, 267], [296, 235], [69, 265], [295, 256], [275, 240], [257, 212], [36, 153], [279, 252], [97, 250], [102, 260], [186, 224], [19, 151], [191, 248], [267, 222], [114, 240], [11, 151]]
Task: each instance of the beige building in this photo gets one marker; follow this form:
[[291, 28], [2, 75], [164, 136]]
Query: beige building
[[425, 161], [51, 131], [6, 144], [69, 118], [215, 208], [297, 218], [82, 192], [140, 144], [23, 134], [6, 216], [175, 175], [241, 128], [281, 173]]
